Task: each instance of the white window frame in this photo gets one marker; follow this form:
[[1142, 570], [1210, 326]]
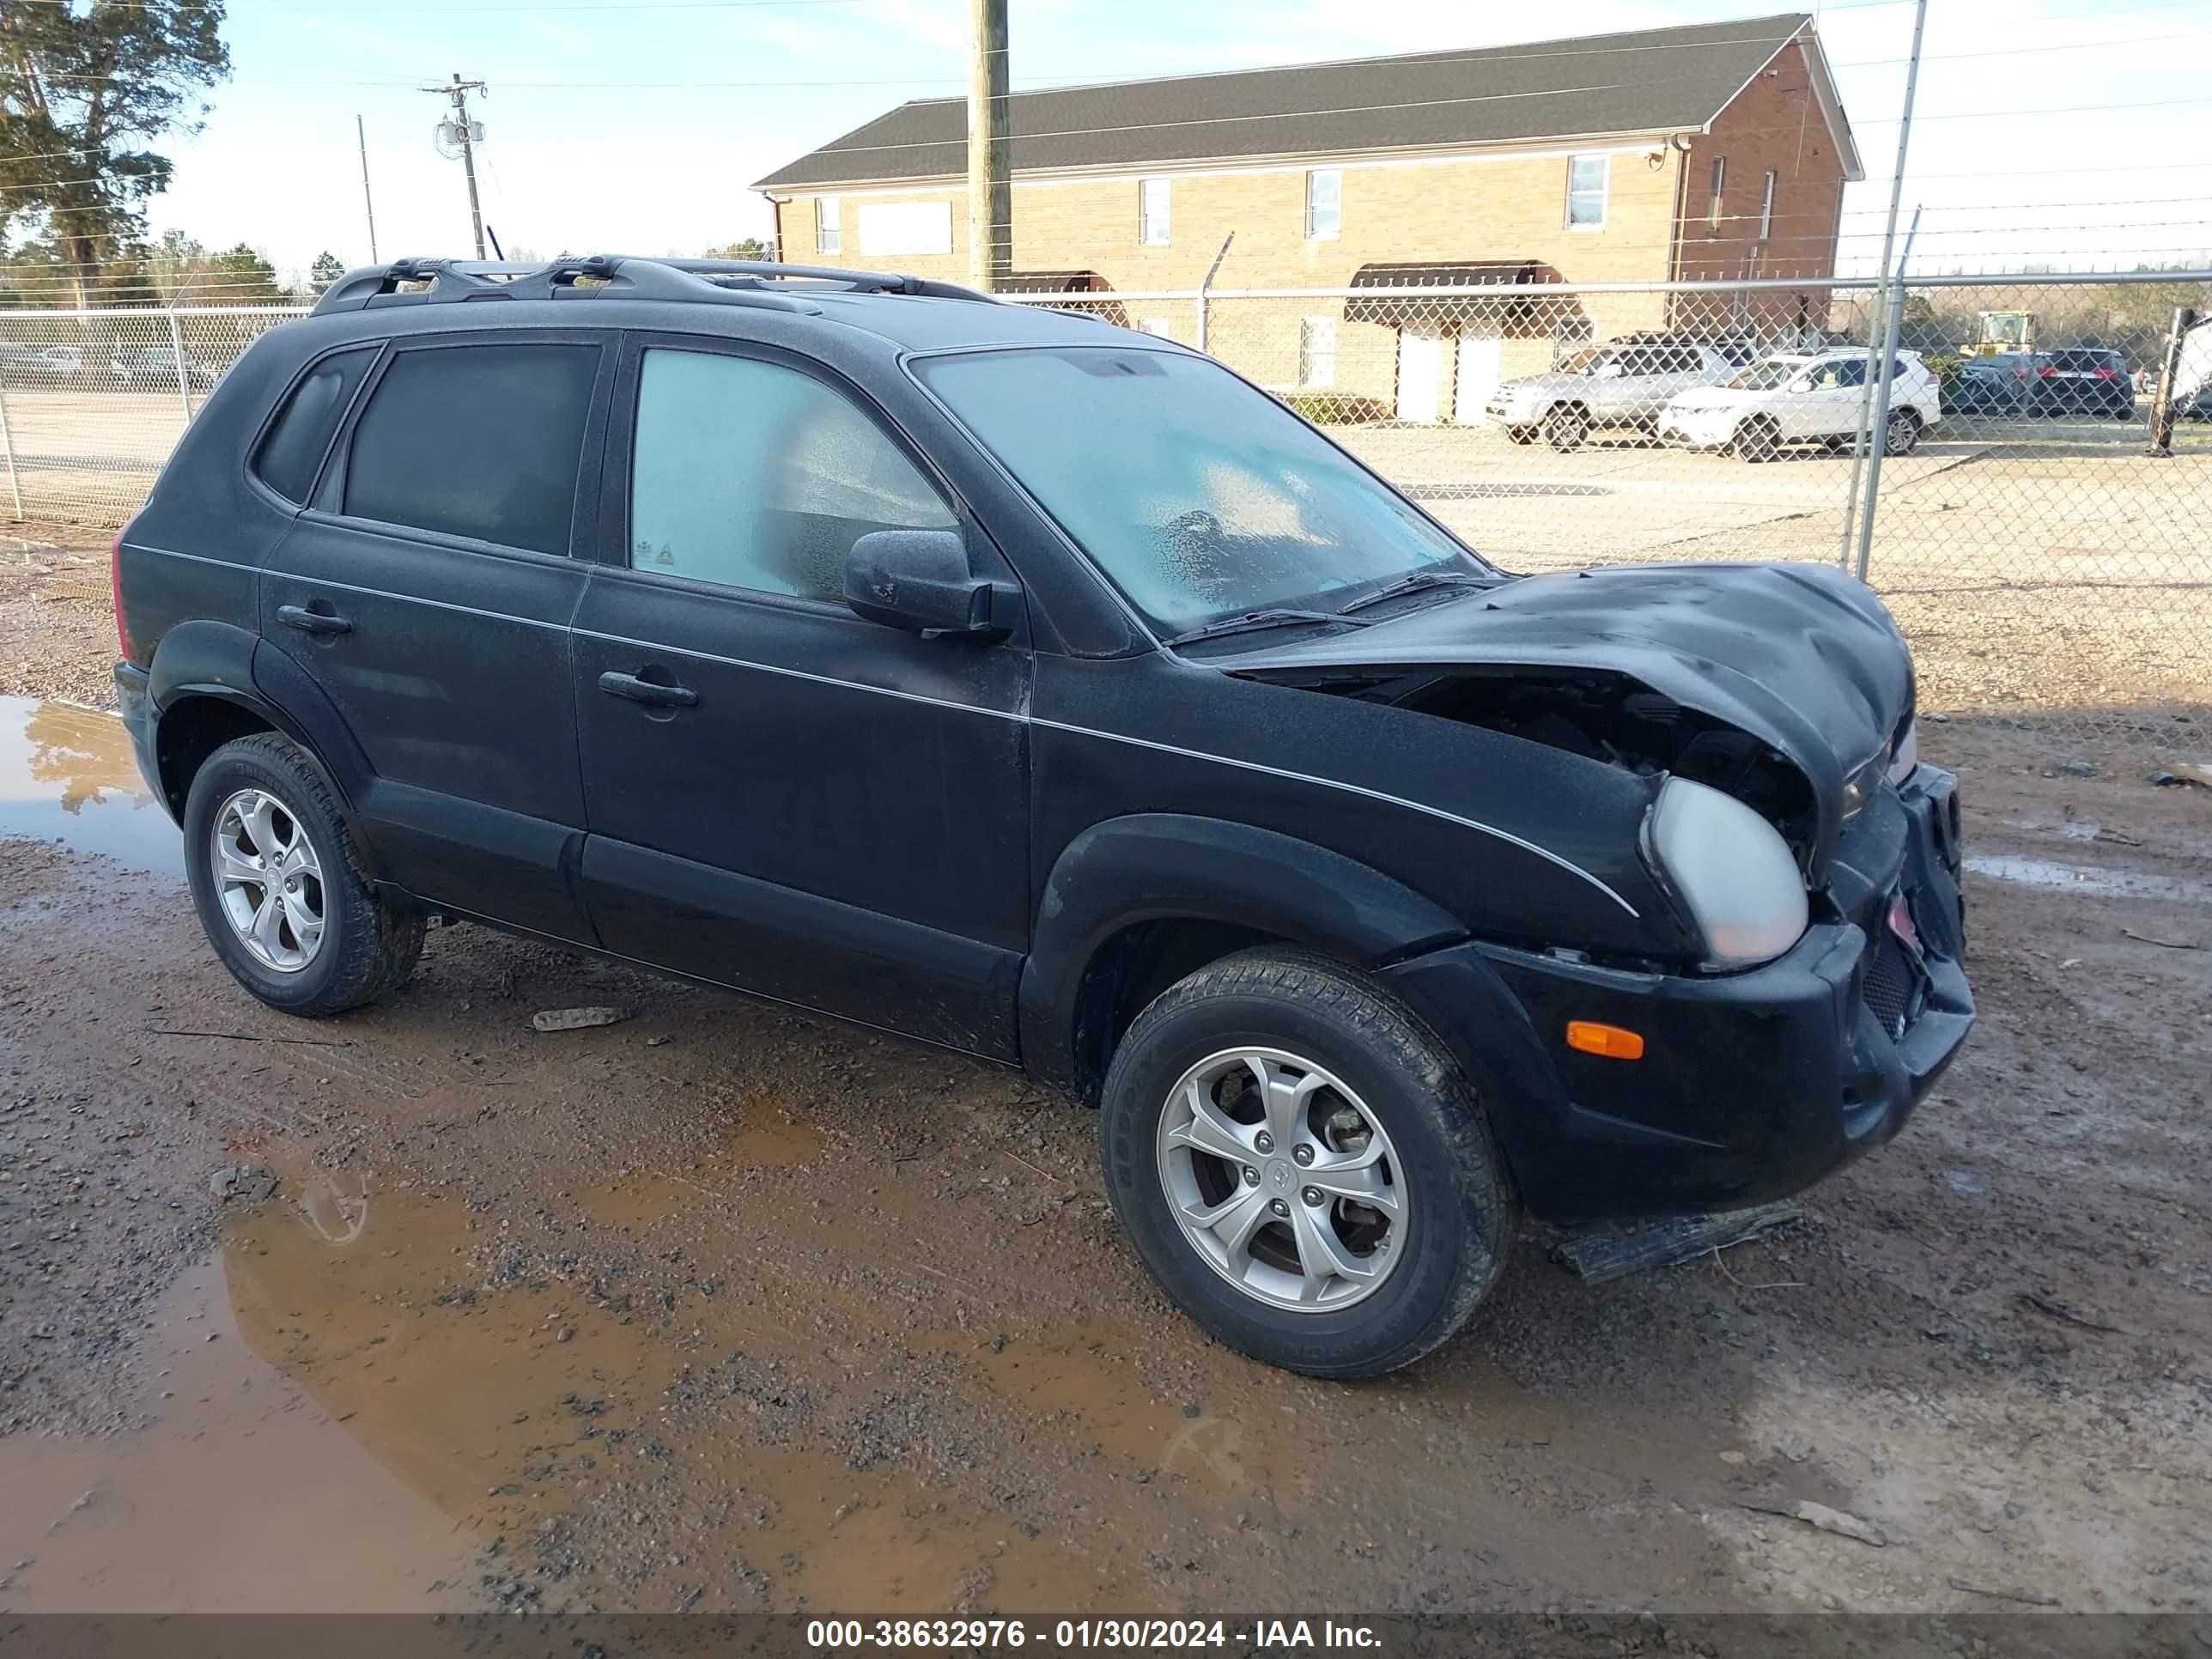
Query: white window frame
[[1162, 328], [829, 226], [1155, 218], [1317, 353], [1604, 190], [1314, 231], [1720, 184], [1766, 209]]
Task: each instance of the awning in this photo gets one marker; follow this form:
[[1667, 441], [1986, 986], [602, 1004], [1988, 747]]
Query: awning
[[1069, 282], [1448, 310]]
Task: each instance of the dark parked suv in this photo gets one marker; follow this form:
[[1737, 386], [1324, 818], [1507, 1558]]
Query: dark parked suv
[[997, 677]]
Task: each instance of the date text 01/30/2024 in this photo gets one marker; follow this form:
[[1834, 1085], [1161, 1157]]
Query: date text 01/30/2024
[[1262, 1635]]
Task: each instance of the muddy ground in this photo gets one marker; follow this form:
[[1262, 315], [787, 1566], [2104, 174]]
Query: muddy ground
[[720, 1308]]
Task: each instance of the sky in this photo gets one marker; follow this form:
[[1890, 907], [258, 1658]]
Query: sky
[[2050, 132]]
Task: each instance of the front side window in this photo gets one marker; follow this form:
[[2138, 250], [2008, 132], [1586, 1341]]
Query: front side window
[[475, 440], [829, 228], [1324, 204], [1316, 353], [1765, 377], [756, 475], [292, 454], [1197, 496], [1153, 208], [1587, 176]]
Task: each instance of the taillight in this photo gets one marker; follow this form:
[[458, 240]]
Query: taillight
[[2108, 374], [115, 586], [2047, 372]]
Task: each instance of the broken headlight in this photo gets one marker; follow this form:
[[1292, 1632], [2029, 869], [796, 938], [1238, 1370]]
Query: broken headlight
[[1731, 870]]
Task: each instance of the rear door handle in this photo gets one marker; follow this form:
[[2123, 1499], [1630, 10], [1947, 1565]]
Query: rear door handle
[[645, 691], [311, 621]]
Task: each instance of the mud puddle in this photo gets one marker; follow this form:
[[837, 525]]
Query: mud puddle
[[241, 1494], [2093, 880], [68, 773]]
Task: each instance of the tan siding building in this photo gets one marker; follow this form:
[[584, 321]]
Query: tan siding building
[[1378, 195]]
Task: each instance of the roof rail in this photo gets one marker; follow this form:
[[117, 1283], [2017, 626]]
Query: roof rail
[[739, 282]]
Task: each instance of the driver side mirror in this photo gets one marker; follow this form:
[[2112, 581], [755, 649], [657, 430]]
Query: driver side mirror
[[921, 580], [1611, 372]]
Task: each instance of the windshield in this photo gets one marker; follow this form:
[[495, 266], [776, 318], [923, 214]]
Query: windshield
[[1199, 497], [1765, 377]]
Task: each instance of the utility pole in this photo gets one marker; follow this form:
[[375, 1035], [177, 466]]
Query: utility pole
[[990, 187], [464, 132], [367, 202], [1879, 328]]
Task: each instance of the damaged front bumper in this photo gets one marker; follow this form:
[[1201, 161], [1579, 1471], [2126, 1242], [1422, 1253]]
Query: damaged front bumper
[[1753, 1086]]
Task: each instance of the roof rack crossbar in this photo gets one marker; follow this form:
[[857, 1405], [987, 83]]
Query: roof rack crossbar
[[739, 282]]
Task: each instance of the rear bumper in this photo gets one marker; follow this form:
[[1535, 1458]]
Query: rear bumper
[[1753, 1086], [134, 701]]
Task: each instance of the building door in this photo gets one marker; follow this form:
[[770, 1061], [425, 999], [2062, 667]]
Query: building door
[[1420, 376], [1478, 356]]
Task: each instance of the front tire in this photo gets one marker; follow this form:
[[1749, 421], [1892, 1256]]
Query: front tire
[[1758, 440], [1901, 433], [1521, 434], [1566, 429], [281, 888], [1303, 1166]]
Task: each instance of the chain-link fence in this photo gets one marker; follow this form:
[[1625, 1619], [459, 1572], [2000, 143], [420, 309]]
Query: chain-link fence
[[91, 402], [2047, 564]]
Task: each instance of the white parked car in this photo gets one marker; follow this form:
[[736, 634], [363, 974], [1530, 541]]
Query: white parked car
[[1802, 397], [1625, 384]]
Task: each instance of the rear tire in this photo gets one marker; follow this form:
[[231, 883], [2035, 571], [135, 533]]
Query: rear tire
[[333, 941], [1567, 429], [1422, 1258], [1521, 434], [1901, 433]]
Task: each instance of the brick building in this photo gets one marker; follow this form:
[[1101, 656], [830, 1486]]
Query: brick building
[[1707, 151]]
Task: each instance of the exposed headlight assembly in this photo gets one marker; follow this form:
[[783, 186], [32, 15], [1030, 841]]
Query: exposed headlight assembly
[[1732, 870]]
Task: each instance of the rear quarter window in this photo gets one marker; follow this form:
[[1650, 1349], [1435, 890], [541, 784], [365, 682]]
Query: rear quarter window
[[291, 454], [475, 440]]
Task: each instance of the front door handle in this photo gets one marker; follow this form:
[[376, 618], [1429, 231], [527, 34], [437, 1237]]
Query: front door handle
[[312, 622], [646, 692]]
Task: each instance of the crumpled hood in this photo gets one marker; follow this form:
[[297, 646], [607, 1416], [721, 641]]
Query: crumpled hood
[[1799, 656]]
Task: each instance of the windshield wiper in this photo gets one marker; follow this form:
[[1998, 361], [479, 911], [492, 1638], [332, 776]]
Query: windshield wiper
[[1418, 582], [1269, 618]]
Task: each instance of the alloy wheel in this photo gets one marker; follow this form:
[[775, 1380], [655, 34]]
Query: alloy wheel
[[1283, 1180], [268, 882]]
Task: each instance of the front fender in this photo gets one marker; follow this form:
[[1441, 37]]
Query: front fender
[[1158, 866]]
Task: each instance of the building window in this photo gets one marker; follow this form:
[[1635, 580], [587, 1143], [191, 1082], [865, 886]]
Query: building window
[[900, 227], [829, 235], [1324, 204], [1713, 203], [1153, 212], [1316, 353], [1767, 208], [1586, 182]]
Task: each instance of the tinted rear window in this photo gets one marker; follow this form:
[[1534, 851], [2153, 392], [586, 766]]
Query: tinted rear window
[[292, 454], [479, 441]]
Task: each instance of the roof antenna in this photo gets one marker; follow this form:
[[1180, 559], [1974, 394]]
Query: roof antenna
[[493, 236]]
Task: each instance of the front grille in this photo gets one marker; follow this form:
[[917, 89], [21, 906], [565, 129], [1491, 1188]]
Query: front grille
[[1890, 980]]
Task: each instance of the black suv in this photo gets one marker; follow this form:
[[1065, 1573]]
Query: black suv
[[1017, 684], [2083, 380]]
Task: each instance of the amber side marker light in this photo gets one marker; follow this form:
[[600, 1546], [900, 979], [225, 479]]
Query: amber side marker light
[[1610, 1041]]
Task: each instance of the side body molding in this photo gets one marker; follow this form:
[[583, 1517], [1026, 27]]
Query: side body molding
[[1157, 865]]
